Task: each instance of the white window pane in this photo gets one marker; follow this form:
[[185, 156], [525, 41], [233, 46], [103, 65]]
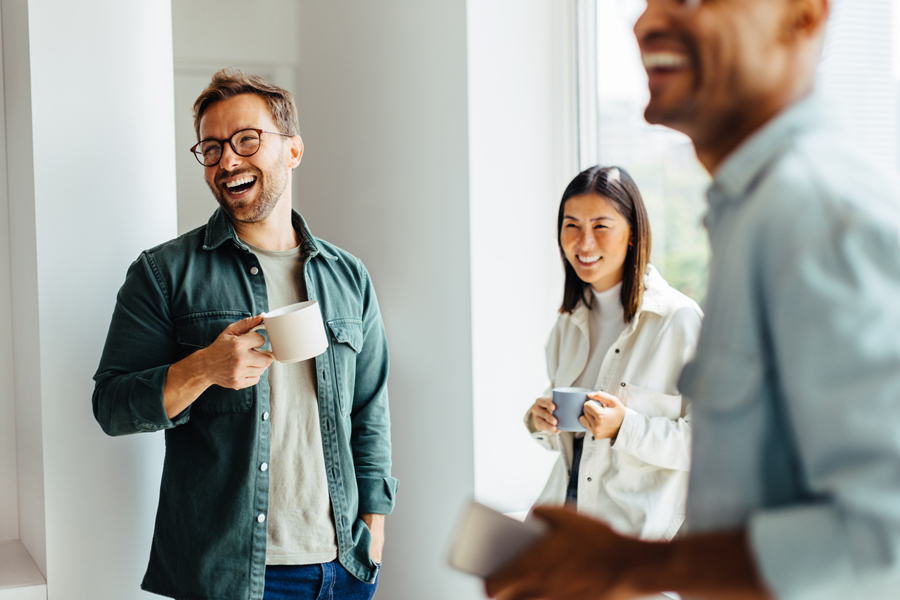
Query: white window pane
[[661, 161]]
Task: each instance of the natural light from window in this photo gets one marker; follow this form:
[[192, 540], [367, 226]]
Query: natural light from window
[[859, 77]]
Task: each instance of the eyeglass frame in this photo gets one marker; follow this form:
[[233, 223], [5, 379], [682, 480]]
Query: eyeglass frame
[[259, 132]]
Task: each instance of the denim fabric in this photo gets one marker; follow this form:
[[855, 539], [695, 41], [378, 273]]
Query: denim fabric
[[315, 582], [210, 535]]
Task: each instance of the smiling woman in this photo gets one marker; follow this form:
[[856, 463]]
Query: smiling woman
[[624, 332], [604, 238]]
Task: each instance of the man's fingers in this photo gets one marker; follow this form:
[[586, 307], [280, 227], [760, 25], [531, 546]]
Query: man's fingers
[[513, 590], [244, 325], [558, 517], [513, 581], [253, 340]]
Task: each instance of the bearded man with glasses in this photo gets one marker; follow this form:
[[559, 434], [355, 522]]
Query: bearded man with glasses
[[795, 388], [277, 476]]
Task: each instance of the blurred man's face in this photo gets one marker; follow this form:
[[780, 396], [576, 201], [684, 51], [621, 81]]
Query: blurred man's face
[[710, 61]]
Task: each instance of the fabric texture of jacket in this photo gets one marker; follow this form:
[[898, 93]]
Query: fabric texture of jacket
[[638, 483], [210, 535]]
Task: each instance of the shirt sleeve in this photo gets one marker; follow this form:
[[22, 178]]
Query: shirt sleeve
[[371, 424], [140, 346], [835, 328]]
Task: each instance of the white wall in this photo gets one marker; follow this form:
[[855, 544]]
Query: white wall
[[9, 487], [23, 281], [521, 126], [204, 42], [89, 88], [382, 98]]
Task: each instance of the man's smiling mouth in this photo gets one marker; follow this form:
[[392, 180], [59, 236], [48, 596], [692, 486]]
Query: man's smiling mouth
[[240, 185], [664, 61]]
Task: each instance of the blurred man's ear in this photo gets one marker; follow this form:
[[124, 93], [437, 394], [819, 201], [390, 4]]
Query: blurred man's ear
[[805, 18]]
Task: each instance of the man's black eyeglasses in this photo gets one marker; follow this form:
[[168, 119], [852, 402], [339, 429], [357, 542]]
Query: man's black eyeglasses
[[245, 142]]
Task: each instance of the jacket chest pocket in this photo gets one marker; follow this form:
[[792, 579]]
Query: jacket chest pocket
[[649, 403], [197, 331], [346, 344]]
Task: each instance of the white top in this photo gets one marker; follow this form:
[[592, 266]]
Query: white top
[[606, 324], [638, 484]]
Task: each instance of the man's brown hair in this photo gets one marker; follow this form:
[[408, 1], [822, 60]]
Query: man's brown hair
[[229, 83]]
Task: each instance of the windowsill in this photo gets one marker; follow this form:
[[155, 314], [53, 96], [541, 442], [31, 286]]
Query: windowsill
[[17, 570]]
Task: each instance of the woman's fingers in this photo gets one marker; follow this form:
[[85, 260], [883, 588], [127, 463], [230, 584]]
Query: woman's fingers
[[594, 408], [546, 404]]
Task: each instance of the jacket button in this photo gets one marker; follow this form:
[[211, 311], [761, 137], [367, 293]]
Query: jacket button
[[254, 270], [264, 467], [589, 478], [623, 384], [265, 416], [261, 518], [617, 350]]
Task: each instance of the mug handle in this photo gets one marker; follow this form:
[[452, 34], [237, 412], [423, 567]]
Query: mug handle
[[266, 352]]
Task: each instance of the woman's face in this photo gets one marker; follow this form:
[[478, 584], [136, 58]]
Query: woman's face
[[595, 238]]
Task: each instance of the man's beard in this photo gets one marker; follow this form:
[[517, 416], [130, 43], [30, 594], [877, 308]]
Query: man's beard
[[271, 184]]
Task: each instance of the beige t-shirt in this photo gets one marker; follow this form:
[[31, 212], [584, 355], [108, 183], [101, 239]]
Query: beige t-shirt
[[300, 528]]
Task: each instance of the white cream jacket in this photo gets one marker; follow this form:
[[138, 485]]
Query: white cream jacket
[[638, 483]]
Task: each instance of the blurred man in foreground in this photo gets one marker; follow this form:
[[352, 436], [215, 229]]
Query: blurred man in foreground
[[795, 487]]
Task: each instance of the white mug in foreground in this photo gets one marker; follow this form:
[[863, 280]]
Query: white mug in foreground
[[296, 332]]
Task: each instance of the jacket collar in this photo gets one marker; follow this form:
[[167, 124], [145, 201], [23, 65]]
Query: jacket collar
[[219, 230], [653, 300]]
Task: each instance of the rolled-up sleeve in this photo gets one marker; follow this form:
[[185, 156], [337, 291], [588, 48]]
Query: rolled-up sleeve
[[371, 423], [129, 383], [835, 325]]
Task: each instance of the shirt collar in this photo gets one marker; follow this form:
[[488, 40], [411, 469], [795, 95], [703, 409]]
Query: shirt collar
[[219, 230], [743, 169]]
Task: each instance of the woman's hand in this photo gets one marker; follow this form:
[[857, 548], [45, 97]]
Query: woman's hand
[[542, 415], [603, 415]]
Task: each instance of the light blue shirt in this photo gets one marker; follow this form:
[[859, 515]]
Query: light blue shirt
[[796, 383]]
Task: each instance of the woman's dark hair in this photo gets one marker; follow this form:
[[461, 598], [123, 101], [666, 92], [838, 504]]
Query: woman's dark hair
[[616, 186]]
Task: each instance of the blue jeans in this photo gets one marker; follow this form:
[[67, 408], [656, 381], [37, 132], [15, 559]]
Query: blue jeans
[[315, 582]]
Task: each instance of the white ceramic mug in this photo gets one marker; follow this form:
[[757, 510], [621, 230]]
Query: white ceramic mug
[[296, 332]]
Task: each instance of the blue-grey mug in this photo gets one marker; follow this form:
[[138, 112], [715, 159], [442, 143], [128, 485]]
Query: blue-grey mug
[[569, 403]]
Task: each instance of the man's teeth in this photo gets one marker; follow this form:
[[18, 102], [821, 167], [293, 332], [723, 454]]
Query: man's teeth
[[664, 60], [588, 259], [240, 181]]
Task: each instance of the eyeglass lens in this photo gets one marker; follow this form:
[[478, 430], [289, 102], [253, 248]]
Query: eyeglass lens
[[244, 143]]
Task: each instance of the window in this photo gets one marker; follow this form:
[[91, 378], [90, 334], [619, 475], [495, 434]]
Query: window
[[858, 77], [661, 161]]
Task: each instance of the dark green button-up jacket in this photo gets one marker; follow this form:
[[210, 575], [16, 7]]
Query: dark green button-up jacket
[[210, 535]]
